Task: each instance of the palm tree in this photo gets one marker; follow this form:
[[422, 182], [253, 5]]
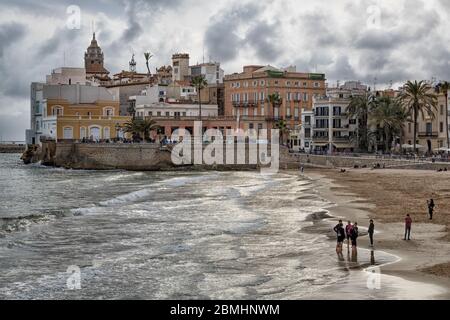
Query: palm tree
[[148, 56], [274, 100], [281, 125], [133, 127], [359, 108], [148, 125], [444, 87], [199, 83], [138, 126], [389, 117], [418, 98]]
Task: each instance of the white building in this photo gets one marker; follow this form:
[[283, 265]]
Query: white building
[[211, 71], [332, 129], [306, 131], [67, 75]]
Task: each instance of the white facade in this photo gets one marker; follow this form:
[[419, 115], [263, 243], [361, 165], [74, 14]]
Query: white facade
[[332, 129], [211, 71], [67, 75], [306, 130], [162, 109]]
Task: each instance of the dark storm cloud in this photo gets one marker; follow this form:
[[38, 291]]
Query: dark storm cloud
[[222, 38], [263, 38], [10, 33]]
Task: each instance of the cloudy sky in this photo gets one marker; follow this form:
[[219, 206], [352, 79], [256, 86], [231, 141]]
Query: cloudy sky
[[345, 39]]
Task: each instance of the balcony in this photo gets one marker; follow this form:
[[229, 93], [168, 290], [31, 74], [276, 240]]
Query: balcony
[[341, 139], [320, 138], [340, 115], [428, 134]]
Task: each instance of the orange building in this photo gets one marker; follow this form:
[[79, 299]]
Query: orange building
[[246, 93]]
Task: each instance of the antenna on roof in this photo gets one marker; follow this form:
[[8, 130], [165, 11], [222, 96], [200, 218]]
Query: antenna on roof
[[203, 53]]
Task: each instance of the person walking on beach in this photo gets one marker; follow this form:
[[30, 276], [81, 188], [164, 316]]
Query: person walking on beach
[[408, 225], [354, 236], [371, 231], [431, 208], [340, 232], [348, 232]]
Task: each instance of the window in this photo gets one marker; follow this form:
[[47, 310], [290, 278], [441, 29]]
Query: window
[[158, 113], [288, 83], [409, 127], [57, 111], [352, 121], [441, 127], [276, 82], [288, 96], [255, 83], [255, 112], [316, 85], [251, 126], [306, 144], [296, 113], [288, 112], [68, 133], [442, 110], [108, 112], [307, 119], [261, 96], [305, 84], [307, 132], [246, 84], [82, 132], [305, 96], [167, 114], [262, 109], [262, 83], [106, 133]]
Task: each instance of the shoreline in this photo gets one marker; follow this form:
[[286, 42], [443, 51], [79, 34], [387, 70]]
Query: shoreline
[[348, 205]]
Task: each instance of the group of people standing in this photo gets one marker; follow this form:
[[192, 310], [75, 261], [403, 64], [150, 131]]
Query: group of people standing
[[351, 231]]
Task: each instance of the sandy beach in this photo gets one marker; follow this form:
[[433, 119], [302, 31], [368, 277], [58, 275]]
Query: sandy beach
[[387, 196]]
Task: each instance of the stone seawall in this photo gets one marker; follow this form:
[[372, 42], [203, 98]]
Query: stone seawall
[[138, 157], [12, 148]]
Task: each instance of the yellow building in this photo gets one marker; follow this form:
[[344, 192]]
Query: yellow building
[[74, 112]]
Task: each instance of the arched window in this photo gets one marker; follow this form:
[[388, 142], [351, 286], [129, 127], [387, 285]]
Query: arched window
[[106, 133], [82, 132], [57, 110], [68, 133], [108, 111]]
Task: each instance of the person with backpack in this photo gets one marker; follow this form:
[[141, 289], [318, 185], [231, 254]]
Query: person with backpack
[[431, 208], [354, 236], [340, 232], [408, 225], [371, 231]]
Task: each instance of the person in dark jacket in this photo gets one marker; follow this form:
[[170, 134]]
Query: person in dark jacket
[[354, 236], [371, 231], [340, 232], [431, 208]]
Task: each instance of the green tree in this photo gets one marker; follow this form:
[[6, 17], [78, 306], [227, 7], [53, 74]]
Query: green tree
[[444, 87], [389, 117], [359, 108], [138, 126], [274, 100], [418, 98], [199, 83], [281, 125]]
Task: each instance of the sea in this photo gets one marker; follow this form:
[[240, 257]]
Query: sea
[[67, 234]]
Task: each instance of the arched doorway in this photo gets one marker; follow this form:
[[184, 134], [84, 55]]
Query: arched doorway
[[95, 133]]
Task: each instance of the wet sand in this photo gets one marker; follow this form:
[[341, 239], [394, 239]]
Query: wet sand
[[386, 196]]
